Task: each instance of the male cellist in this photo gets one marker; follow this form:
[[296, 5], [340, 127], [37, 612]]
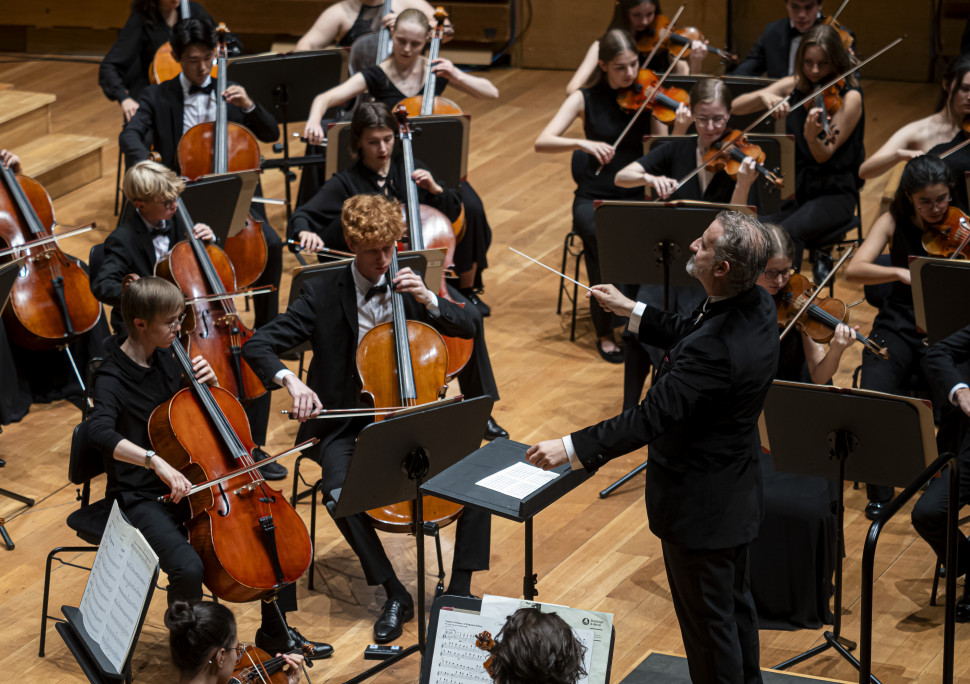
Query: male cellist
[[334, 312], [138, 373]]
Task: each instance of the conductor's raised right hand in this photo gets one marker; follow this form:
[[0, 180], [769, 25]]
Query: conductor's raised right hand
[[306, 403], [612, 300]]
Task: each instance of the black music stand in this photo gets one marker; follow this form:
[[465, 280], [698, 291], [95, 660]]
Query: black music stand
[[458, 484], [648, 243], [407, 449], [290, 81], [439, 141], [934, 282], [851, 436], [8, 276], [738, 85]]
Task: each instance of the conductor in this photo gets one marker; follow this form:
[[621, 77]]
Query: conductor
[[700, 420]]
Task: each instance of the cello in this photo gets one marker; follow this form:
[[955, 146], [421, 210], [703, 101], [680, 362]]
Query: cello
[[51, 303], [205, 275], [428, 103], [238, 521], [223, 146], [428, 228]]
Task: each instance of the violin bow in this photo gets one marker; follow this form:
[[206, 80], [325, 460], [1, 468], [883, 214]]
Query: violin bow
[[839, 11], [769, 112], [959, 250], [946, 153], [819, 288], [653, 89], [660, 40], [44, 241], [244, 292]]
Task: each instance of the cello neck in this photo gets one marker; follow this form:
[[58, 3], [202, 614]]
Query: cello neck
[[402, 347], [220, 157], [23, 204], [205, 263], [431, 82], [184, 11], [413, 212], [384, 35]]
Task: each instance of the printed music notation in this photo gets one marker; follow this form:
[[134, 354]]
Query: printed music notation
[[456, 658]]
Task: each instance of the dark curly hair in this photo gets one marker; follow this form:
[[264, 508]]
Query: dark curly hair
[[195, 630], [537, 648]]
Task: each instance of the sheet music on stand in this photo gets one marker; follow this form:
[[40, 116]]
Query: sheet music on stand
[[117, 591]]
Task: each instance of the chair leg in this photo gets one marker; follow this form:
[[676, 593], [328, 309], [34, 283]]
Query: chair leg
[[572, 329], [118, 180], [562, 281], [936, 582], [314, 492], [44, 616], [432, 529]]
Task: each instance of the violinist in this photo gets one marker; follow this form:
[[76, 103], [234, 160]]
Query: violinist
[[205, 648], [139, 373], [774, 53], [190, 99], [922, 199], [123, 73], [536, 647], [334, 312], [400, 76], [638, 18], [923, 135], [378, 171], [343, 22], [603, 120], [826, 166]]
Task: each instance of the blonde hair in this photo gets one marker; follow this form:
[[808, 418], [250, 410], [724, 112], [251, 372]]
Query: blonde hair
[[150, 181], [710, 90], [416, 16], [371, 219], [149, 298]]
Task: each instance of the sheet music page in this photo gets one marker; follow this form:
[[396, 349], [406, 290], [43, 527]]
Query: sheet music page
[[117, 587], [518, 480], [456, 658]]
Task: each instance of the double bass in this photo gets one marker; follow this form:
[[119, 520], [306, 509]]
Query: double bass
[[51, 303], [223, 146], [205, 275], [251, 541]]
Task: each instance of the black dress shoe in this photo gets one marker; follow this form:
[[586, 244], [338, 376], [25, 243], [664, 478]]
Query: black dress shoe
[[493, 430], [390, 625], [312, 650], [874, 510], [962, 612], [610, 357], [274, 471], [482, 307]]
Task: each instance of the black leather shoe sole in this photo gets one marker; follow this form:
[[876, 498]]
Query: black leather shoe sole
[[274, 471], [390, 625], [312, 650], [493, 430]]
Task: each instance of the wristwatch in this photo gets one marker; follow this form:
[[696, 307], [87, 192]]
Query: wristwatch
[[148, 458]]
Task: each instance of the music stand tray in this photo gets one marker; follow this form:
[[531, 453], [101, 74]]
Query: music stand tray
[[458, 484], [934, 282]]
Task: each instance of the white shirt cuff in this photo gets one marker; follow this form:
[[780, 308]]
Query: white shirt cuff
[[251, 109], [634, 324], [433, 306], [574, 462], [953, 392], [278, 378]]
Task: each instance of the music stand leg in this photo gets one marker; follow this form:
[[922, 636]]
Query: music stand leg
[[4, 535], [530, 580], [623, 480], [7, 541]]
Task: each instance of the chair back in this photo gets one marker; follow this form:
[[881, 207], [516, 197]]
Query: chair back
[[85, 463]]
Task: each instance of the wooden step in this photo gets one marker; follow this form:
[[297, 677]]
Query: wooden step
[[23, 117], [62, 162]]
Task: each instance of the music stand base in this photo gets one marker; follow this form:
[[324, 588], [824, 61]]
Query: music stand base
[[4, 535]]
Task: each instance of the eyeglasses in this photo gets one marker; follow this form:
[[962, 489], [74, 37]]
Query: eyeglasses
[[706, 121], [772, 274], [173, 326]]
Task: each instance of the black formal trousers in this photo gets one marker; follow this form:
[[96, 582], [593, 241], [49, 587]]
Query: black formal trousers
[[267, 306], [476, 379], [929, 513], [584, 225], [812, 219], [471, 539], [712, 597]]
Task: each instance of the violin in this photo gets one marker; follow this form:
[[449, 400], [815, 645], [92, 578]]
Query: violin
[[740, 149], [844, 35], [51, 303], [164, 66], [223, 146], [484, 641], [829, 101], [822, 317], [664, 102], [251, 541], [950, 238], [256, 666], [428, 103], [678, 37], [205, 275]]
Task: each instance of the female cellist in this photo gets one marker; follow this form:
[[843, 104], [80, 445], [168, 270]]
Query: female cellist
[[379, 170], [400, 76], [922, 199], [826, 166], [334, 313], [123, 74], [206, 650], [637, 17], [140, 372], [603, 121]]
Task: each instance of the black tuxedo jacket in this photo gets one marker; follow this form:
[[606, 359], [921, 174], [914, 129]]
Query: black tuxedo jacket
[[769, 56], [326, 315], [158, 122], [946, 361], [128, 249], [700, 419]]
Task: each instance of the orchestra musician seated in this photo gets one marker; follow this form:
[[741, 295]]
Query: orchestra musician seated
[[773, 55], [344, 22]]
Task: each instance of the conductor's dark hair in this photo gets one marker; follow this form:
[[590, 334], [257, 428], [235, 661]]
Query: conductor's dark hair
[[537, 648], [196, 630], [745, 245], [369, 115], [614, 42], [190, 32], [919, 172], [621, 13], [952, 79]]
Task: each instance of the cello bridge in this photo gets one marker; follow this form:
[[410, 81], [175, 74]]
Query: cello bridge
[[245, 490]]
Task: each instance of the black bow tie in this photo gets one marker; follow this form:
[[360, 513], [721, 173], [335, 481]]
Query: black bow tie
[[161, 229], [376, 290], [193, 89], [793, 32]]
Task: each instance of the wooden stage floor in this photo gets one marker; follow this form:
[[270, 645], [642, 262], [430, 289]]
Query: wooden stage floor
[[590, 553]]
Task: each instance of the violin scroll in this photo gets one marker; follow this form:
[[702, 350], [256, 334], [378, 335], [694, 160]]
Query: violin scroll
[[484, 641]]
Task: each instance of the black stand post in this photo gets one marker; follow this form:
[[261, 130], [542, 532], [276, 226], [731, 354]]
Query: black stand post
[[406, 449], [627, 231], [290, 81], [872, 437]]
